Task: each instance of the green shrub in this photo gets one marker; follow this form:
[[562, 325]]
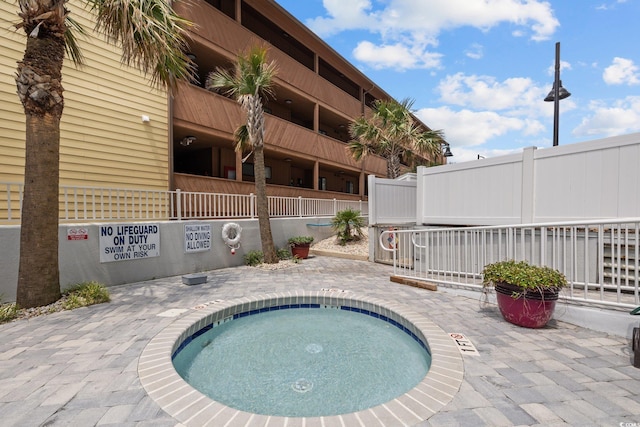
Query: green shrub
[[85, 294], [283, 253], [8, 312], [253, 258], [522, 274], [300, 240]]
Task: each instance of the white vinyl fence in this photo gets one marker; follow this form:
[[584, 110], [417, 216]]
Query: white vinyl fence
[[586, 181], [392, 201]]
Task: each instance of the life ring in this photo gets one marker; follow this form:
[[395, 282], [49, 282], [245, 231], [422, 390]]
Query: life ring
[[231, 233]]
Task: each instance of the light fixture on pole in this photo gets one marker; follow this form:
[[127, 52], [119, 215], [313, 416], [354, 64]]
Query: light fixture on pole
[[446, 150], [556, 94]]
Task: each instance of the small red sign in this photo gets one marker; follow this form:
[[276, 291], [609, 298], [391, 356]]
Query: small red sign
[[79, 233]]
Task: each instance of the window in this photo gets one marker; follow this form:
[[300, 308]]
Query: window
[[247, 169], [322, 184], [350, 187]]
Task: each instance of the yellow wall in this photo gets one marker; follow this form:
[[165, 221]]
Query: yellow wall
[[104, 142]]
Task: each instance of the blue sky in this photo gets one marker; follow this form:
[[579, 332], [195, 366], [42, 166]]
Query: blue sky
[[480, 69]]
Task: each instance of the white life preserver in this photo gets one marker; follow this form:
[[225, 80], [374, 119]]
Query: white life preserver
[[231, 233]]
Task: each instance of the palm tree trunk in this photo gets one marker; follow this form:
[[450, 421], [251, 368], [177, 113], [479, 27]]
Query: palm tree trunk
[[393, 166], [268, 248], [39, 86]]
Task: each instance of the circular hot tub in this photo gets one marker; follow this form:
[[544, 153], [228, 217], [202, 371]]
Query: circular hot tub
[[255, 383]]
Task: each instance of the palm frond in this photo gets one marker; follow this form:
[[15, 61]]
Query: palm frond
[[241, 136], [70, 41], [393, 133], [152, 36]]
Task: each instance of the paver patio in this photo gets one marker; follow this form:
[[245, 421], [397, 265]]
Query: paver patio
[[79, 367]]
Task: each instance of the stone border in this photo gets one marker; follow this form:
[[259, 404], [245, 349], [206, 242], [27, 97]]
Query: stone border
[[192, 408]]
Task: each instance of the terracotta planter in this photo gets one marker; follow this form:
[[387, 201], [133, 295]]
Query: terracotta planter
[[300, 250], [532, 309]]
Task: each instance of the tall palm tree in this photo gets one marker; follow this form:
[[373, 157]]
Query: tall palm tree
[[391, 132], [250, 83], [152, 39]]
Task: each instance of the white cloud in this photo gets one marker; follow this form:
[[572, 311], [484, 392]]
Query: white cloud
[[609, 120], [475, 52], [564, 65], [466, 128], [518, 94], [343, 15], [398, 56], [621, 71], [416, 24]]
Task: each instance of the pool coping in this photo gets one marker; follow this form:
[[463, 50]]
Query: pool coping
[[192, 408]]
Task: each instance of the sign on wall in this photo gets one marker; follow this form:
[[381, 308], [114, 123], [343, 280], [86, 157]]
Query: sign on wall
[[129, 241], [77, 233], [197, 237]]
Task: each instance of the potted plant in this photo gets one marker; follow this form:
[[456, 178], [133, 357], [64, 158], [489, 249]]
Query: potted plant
[[526, 293], [300, 246]]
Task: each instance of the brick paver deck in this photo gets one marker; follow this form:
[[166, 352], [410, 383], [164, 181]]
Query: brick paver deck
[[79, 367]]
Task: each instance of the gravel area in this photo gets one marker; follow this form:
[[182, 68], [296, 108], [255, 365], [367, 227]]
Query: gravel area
[[360, 247]]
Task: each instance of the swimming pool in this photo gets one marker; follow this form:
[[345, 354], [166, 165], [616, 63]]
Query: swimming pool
[[191, 407], [303, 360]]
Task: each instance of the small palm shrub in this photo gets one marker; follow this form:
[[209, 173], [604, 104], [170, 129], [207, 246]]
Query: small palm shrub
[[348, 224]]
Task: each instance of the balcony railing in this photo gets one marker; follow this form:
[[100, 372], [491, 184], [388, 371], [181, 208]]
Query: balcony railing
[[84, 204]]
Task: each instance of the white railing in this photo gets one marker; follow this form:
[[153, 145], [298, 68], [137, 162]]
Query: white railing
[[78, 204], [601, 259]]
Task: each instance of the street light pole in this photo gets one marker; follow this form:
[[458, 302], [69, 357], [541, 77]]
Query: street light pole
[[556, 94]]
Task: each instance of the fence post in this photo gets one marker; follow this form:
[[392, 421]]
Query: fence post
[[178, 205], [527, 206], [300, 206], [335, 207], [252, 205]]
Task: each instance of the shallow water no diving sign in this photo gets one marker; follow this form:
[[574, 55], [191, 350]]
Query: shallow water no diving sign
[[464, 344]]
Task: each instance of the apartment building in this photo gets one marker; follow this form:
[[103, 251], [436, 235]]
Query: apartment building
[[117, 131]]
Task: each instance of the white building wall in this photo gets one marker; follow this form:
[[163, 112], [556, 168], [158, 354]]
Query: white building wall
[[80, 259]]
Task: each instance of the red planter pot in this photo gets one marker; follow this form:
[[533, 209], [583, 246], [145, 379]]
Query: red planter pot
[[300, 250], [532, 309]]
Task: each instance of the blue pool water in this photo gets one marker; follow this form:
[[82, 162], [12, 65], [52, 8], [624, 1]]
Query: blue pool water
[[303, 362]]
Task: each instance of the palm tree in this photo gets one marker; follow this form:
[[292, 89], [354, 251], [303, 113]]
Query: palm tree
[[250, 83], [348, 224], [391, 132], [152, 39]]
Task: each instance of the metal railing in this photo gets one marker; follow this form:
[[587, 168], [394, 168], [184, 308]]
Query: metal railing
[[601, 259], [81, 204]]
